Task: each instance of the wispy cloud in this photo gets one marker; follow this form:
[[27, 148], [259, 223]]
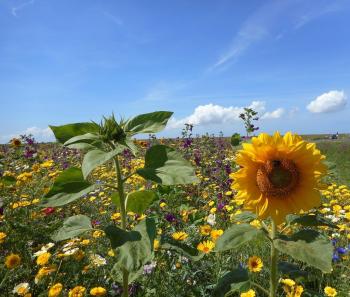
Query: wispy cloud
[[15, 9], [115, 19], [254, 29], [317, 13], [273, 18]]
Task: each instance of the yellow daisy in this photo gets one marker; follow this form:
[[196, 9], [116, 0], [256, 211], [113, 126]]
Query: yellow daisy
[[206, 246], [330, 292], [278, 175], [255, 264], [180, 236], [12, 261], [55, 290], [250, 293]]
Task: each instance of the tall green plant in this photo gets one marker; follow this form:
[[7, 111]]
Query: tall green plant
[[248, 116], [105, 142]]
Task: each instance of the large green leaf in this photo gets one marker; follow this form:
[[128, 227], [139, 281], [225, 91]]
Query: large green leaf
[[73, 227], [245, 217], [309, 220], [235, 236], [65, 132], [235, 280], [291, 270], [119, 236], [166, 166], [129, 143], [139, 201], [147, 123], [68, 186], [115, 199], [95, 158], [133, 255], [308, 246], [180, 247], [84, 138]]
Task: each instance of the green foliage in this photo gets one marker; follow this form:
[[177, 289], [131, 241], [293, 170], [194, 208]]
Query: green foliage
[[84, 142], [232, 281], [235, 139], [245, 217], [8, 180], [132, 255], [310, 220], [112, 131], [115, 199], [72, 227], [166, 166], [291, 270], [139, 201], [248, 116], [169, 243], [308, 246], [147, 123], [235, 236], [68, 186], [96, 158], [65, 132], [119, 236]]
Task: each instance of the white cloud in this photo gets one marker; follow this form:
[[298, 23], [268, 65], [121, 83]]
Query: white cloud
[[212, 114], [258, 106], [40, 134], [277, 113], [328, 102]]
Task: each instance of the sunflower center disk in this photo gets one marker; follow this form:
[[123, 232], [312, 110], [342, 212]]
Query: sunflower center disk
[[277, 178]]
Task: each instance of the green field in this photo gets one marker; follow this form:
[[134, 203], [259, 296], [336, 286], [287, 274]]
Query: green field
[[338, 158]]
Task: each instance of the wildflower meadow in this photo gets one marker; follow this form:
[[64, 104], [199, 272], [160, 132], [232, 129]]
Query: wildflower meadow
[[112, 209]]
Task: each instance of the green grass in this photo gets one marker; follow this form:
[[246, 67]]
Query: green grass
[[338, 157]]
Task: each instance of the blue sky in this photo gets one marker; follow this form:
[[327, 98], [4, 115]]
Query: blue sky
[[70, 61]]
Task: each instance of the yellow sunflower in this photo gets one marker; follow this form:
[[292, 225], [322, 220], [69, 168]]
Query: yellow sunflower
[[278, 175]]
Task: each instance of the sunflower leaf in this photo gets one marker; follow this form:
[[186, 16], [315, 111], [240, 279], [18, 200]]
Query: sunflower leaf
[[232, 281], [310, 220], [308, 246], [166, 166], [72, 227], [236, 236]]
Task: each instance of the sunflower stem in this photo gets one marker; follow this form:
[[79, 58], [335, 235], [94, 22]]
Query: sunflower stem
[[274, 257], [121, 193]]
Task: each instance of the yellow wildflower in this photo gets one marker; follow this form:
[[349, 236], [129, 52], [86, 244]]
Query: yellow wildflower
[[12, 261], [55, 290], [255, 264], [180, 236], [330, 292], [206, 246], [98, 291]]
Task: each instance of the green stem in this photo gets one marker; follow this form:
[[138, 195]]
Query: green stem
[[5, 277], [123, 219], [260, 287], [274, 257]]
